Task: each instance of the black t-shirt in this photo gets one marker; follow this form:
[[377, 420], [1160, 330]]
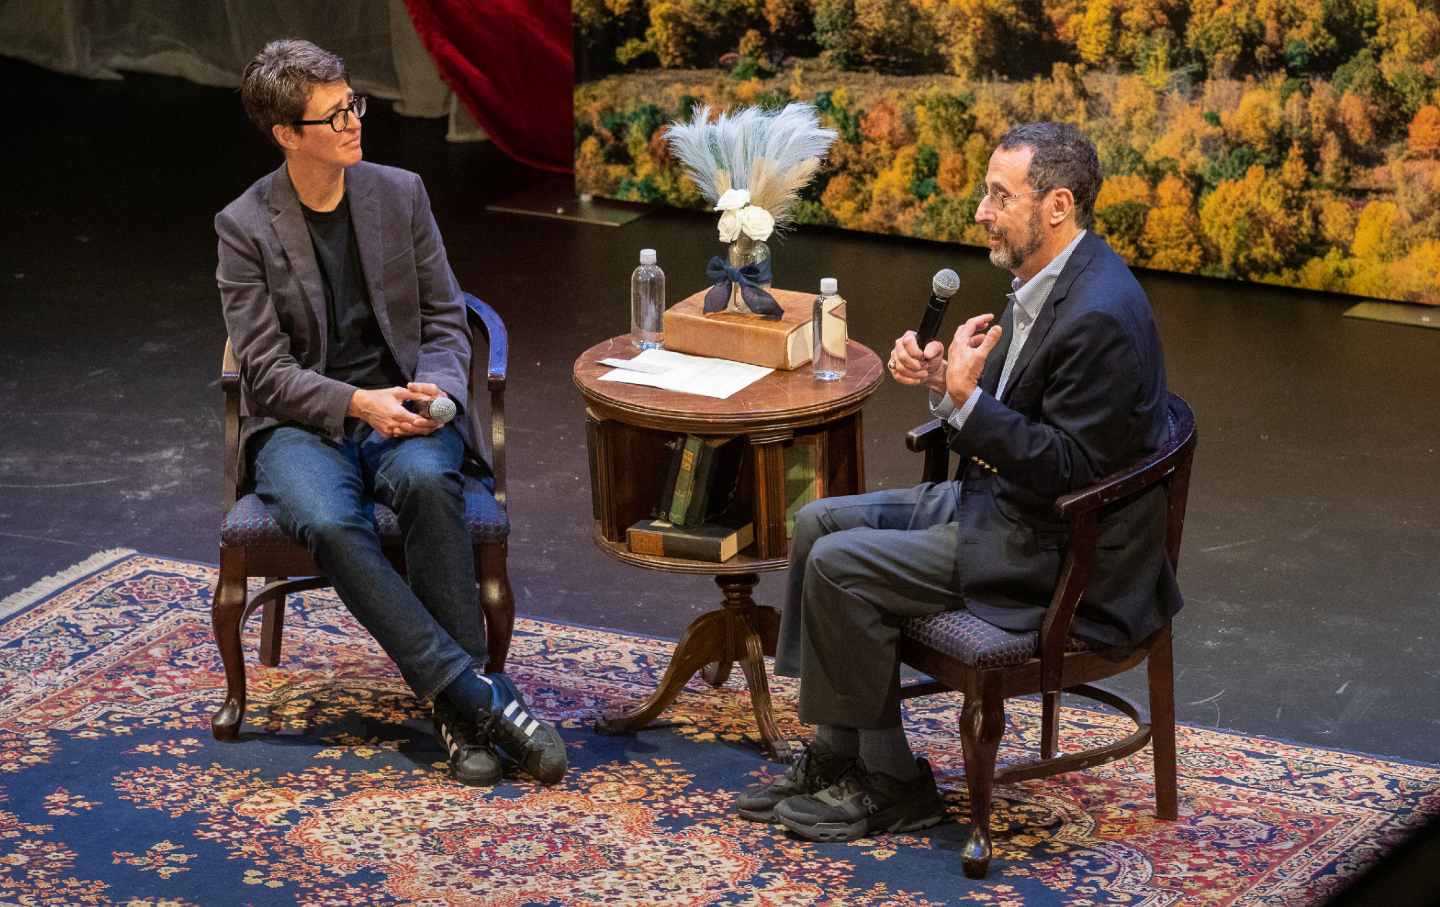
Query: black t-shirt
[[356, 352]]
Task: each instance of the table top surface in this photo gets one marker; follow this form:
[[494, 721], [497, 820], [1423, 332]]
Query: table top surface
[[781, 397]]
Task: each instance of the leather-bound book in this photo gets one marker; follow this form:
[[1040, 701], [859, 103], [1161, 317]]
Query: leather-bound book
[[684, 487], [714, 542], [782, 343]]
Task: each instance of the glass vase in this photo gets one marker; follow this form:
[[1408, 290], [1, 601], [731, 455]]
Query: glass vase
[[745, 251]]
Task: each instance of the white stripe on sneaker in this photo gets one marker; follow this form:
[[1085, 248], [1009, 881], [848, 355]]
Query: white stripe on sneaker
[[510, 709], [530, 731]]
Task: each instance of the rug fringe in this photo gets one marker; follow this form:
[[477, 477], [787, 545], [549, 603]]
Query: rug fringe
[[41, 588]]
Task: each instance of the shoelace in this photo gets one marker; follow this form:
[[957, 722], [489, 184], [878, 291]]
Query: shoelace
[[849, 782], [458, 733], [800, 767]]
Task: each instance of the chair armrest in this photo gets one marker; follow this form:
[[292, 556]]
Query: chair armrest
[[1119, 485], [1132, 480], [488, 320], [230, 385], [929, 439], [229, 370], [921, 437]]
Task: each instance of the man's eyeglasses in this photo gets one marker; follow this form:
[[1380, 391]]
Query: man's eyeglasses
[[1000, 198], [340, 119]]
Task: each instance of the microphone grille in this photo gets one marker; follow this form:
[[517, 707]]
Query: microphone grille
[[945, 283], [442, 409]]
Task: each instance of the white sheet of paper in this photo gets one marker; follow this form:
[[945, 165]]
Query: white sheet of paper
[[686, 374], [635, 365]]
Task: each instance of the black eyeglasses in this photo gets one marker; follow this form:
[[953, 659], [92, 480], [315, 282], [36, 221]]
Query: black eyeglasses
[[340, 119]]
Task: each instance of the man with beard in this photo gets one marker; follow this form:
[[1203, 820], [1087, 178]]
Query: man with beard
[[1075, 391]]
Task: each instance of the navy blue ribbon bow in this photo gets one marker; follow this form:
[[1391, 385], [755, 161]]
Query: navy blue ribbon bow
[[750, 278]]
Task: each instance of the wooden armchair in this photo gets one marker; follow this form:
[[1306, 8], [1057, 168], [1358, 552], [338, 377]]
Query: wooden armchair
[[964, 653], [252, 544]]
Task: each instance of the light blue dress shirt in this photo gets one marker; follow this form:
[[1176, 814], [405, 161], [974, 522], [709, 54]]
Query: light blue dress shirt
[[1027, 301]]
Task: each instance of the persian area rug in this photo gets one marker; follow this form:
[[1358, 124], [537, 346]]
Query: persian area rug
[[112, 790]]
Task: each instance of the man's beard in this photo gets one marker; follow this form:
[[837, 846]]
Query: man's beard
[[1010, 256]]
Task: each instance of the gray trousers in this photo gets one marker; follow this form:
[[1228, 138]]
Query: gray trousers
[[859, 565]]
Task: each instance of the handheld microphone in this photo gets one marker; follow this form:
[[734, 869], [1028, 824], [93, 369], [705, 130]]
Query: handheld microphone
[[441, 409], [942, 286]]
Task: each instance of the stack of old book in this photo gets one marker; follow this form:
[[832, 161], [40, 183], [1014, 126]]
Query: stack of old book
[[696, 517]]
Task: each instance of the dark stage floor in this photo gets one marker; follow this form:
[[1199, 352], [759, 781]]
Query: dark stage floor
[[1311, 563]]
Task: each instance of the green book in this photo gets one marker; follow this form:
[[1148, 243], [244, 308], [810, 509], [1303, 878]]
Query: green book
[[685, 479], [676, 447], [713, 542], [804, 476], [716, 472]]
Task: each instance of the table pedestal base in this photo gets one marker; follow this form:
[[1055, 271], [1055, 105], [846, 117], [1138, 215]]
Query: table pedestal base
[[743, 632]]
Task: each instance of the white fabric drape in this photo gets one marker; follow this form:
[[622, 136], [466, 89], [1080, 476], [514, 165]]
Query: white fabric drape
[[210, 43]]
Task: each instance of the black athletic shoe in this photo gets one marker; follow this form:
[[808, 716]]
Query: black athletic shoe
[[815, 769], [471, 759], [533, 743], [863, 803]]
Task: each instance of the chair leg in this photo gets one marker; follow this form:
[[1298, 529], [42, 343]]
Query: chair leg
[[272, 626], [1049, 724], [1160, 670], [982, 721], [227, 608], [497, 601]]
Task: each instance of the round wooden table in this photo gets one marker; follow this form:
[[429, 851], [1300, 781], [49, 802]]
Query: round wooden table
[[628, 427]]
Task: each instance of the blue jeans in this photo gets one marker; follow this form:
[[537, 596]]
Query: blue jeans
[[323, 493]]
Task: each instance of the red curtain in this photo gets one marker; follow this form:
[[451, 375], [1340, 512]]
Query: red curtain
[[511, 65]]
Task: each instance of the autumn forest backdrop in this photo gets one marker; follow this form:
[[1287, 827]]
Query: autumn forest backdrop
[[1284, 141]]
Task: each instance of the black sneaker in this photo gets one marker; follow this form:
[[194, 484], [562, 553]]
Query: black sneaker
[[533, 743], [471, 759], [815, 769], [863, 803]]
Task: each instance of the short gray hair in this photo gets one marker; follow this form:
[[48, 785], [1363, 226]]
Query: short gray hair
[[1063, 157], [277, 83]]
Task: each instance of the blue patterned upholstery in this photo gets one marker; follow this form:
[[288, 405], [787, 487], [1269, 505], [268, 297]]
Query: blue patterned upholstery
[[250, 525], [971, 641]]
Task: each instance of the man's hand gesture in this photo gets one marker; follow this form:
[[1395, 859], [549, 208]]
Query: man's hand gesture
[[972, 344], [911, 365]]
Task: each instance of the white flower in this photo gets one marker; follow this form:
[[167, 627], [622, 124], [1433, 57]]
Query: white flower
[[729, 226], [756, 222], [733, 200]]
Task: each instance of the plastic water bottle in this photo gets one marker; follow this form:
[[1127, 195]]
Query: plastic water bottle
[[828, 333], [647, 303]]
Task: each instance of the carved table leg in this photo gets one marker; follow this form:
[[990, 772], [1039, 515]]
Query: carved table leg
[[756, 628], [703, 642], [741, 631], [717, 672]]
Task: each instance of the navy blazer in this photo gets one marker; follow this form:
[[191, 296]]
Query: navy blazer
[[274, 302], [1086, 397]]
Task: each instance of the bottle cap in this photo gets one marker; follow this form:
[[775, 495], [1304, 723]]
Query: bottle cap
[[828, 286], [647, 256]]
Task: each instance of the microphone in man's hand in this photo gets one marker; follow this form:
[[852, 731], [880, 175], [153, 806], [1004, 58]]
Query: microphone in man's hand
[[440, 409], [942, 286]]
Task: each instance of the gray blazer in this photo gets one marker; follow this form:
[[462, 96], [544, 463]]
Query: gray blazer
[[274, 303], [1086, 397]]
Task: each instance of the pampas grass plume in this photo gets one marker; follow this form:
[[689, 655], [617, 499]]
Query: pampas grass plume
[[773, 154]]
